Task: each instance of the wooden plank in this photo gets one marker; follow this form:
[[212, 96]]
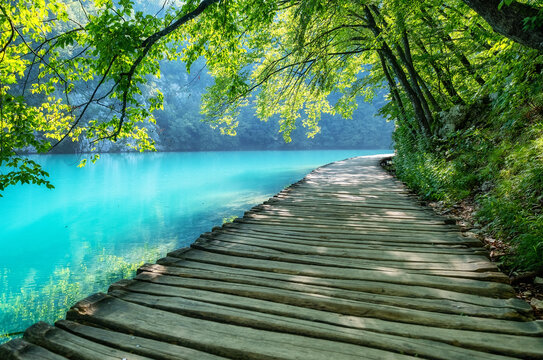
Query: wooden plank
[[383, 198], [332, 245], [213, 337], [350, 230], [360, 244], [352, 250], [72, 346], [397, 216], [329, 269], [353, 239], [354, 205], [135, 344], [482, 341], [391, 203], [326, 259], [390, 236], [458, 285], [342, 221], [402, 255], [326, 214], [371, 208], [277, 323], [409, 228], [19, 349], [433, 305], [313, 284], [357, 308]]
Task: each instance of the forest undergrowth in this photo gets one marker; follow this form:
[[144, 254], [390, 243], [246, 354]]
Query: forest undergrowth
[[488, 175]]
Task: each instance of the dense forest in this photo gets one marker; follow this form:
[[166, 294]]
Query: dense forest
[[463, 80]]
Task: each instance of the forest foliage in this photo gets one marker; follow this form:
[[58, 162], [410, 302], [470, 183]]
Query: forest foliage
[[463, 80]]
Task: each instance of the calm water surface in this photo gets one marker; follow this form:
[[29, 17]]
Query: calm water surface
[[102, 221]]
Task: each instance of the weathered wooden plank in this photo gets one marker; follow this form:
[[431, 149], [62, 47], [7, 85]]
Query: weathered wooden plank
[[384, 231], [214, 337], [433, 305], [386, 197], [134, 344], [72, 346], [328, 268], [327, 259], [352, 250], [402, 254], [375, 207], [480, 288], [377, 204], [19, 349], [450, 238], [357, 308], [260, 240], [436, 230], [391, 215], [383, 203], [352, 238], [331, 243], [309, 284], [482, 341], [277, 323], [342, 221]]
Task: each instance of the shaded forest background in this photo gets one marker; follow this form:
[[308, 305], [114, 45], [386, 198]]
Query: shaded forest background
[[179, 125]]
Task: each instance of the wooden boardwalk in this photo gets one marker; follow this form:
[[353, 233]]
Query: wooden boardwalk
[[341, 265]]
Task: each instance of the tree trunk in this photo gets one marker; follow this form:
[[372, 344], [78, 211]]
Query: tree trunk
[[441, 76], [448, 41], [509, 20], [418, 84], [397, 99], [393, 88], [386, 52]]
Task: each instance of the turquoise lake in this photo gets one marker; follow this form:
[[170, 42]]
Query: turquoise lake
[[102, 221]]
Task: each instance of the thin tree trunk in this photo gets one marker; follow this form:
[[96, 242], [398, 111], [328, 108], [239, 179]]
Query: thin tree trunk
[[474, 35], [397, 98], [448, 41], [418, 83], [441, 76], [387, 53]]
